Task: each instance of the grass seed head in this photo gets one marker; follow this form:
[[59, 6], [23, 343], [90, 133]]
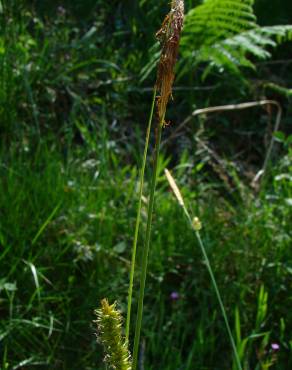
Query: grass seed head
[[168, 36], [197, 224], [109, 331], [174, 188]]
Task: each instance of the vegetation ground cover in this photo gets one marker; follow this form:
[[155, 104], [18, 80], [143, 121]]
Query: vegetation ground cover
[[73, 109]]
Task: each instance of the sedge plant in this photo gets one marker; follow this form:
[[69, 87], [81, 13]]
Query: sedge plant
[[168, 36], [196, 226]]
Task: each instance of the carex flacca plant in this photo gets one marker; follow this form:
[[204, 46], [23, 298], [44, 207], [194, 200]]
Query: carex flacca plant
[[196, 226], [168, 36]]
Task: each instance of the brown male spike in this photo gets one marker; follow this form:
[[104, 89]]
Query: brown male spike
[[168, 36]]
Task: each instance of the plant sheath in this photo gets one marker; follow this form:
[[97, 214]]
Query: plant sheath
[[144, 262], [134, 248]]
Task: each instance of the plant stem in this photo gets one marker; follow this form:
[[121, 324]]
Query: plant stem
[[237, 360], [146, 248], [215, 286], [196, 226], [134, 248]]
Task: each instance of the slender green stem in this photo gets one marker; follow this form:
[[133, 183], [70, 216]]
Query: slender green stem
[[134, 248], [196, 226], [215, 286], [219, 299], [146, 250]]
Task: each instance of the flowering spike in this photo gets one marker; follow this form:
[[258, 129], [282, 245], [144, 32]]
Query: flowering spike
[[174, 188], [197, 224], [168, 36], [109, 326]]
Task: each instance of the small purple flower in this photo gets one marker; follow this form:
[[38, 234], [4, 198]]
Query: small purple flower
[[275, 347], [174, 296]]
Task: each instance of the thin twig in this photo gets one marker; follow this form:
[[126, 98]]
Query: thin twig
[[177, 88]]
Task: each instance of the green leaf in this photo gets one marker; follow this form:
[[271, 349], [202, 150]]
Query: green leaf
[[224, 33], [279, 136]]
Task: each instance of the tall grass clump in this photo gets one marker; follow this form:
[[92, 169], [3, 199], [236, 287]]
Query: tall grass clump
[[168, 36], [69, 140]]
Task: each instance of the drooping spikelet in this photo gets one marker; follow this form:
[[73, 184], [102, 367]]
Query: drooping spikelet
[[174, 188], [168, 36], [109, 331]]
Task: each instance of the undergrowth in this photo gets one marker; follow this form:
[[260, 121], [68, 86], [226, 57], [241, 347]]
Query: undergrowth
[[72, 109], [50, 284]]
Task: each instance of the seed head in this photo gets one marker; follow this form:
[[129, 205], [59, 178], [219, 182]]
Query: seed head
[[174, 188], [109, 331], [168, 36], [197, 224]]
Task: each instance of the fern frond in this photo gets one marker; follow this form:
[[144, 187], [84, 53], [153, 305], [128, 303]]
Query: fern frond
[[235, 52], [224, 34], [215, 20], [207, 24]]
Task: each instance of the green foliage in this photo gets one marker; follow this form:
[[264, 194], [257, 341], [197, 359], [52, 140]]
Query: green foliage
[[71, 117], [82, 209], [258, 340], [216, 20], [55, 68], [222, 35], [225, 34]]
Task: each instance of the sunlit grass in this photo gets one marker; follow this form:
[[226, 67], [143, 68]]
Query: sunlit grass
[[49, 289], [71, 122]]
